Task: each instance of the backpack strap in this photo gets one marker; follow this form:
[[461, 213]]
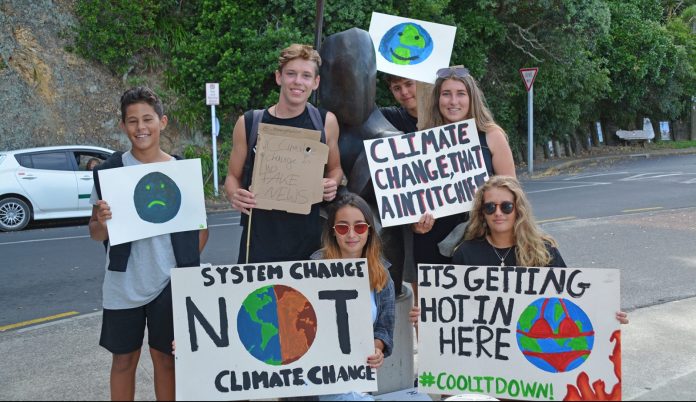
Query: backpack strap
[[257, 115], [318, 124], [114, 161]]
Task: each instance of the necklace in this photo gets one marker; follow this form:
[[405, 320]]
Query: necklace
[[502, 258]]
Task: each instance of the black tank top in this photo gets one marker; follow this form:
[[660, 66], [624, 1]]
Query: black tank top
[[279, 235]]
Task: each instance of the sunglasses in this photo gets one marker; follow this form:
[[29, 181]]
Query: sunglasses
[[449, 72], [343, 228], [506, 207]]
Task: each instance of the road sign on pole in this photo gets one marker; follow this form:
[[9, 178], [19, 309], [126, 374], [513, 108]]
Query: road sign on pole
[[212, 98], [528, 76]]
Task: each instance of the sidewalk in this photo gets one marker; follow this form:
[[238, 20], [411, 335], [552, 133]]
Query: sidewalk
[[552, 167], [62, 360]]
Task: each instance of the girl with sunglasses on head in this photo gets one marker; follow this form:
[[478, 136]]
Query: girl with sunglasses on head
[[455, 97], [350, 233], [502, 231]]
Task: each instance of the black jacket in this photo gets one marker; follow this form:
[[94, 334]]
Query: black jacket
[[185, 244]]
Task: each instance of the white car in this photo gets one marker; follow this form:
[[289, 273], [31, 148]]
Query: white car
[[46, 183]]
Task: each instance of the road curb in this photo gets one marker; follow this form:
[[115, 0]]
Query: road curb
[[556, 169]]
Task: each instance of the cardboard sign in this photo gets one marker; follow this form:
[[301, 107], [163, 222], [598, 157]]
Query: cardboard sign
[[288, 168], [272, 330], [153, 199], [519, 333], [411, 48], [436, 170]]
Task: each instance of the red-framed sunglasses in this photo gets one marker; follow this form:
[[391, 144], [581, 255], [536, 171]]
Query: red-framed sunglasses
[[343, 228], [505, 207]]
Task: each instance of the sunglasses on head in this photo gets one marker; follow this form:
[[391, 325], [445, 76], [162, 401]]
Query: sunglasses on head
[[343, 228], [505, 207], [448, 72]]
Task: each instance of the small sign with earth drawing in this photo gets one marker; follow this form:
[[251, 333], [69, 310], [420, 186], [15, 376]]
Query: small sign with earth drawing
[[153, 199], [520, 333], [411, 48], [272, 330]]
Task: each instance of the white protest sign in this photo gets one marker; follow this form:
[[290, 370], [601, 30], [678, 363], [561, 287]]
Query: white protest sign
[[519, 333], [437, 170], [288, 168], [411, 48], [153, 199], [272, 330]]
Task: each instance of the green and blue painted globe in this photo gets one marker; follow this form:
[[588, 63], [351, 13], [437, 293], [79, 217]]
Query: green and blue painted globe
[[406, 44], [276, 324], [555, 335]]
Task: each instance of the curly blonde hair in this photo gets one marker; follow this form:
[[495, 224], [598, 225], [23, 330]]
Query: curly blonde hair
[[478, 108], [531, 242]]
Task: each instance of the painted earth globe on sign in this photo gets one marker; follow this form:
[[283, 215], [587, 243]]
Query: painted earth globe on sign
[[406, 44], [555, 335], [276, 324], [157, 198]]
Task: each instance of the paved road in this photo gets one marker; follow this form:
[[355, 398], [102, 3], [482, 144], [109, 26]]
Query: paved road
[[58, 271], [626, 186], [641, 221]]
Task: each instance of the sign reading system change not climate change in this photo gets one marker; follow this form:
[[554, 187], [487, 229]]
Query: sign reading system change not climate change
[[272, 330]]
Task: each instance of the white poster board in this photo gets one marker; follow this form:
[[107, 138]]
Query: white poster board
[[411, 48], [153, 199], [437, 170], [519, 333], [272, 330]]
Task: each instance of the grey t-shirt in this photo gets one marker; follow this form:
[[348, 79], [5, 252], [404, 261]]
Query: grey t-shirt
[[148, 270]]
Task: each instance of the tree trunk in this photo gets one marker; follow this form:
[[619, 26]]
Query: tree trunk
[[557, 150], [609, 131], [693, 118], [594, 134]]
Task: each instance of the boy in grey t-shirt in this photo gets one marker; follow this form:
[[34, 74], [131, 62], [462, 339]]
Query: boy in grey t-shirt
[[136, 284]]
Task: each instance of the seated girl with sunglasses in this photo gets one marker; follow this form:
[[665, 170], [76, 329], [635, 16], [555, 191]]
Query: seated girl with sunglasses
[[502, 231], [350, 233]]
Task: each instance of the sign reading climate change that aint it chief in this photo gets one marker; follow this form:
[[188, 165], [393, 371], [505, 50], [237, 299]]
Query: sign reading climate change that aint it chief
[[520, 333], [411, 48], [437, 170], [153, 199], [272, 330]]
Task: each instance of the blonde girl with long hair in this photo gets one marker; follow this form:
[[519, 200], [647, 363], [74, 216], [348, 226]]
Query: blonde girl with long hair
[[502, 231], [350, 232]]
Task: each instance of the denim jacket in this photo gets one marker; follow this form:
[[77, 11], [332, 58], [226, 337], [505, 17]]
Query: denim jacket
[[385, 299]]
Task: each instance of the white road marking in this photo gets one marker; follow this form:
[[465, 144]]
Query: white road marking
[[40, 240], [567, 187], [593, 175]]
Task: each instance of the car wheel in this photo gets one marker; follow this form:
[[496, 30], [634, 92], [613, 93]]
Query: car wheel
[[14, 214]]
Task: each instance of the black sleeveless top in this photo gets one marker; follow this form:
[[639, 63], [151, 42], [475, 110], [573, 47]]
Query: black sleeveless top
[[280, 235], [425, 249]]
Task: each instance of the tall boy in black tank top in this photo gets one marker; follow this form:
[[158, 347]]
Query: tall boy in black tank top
[[278, 235]]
